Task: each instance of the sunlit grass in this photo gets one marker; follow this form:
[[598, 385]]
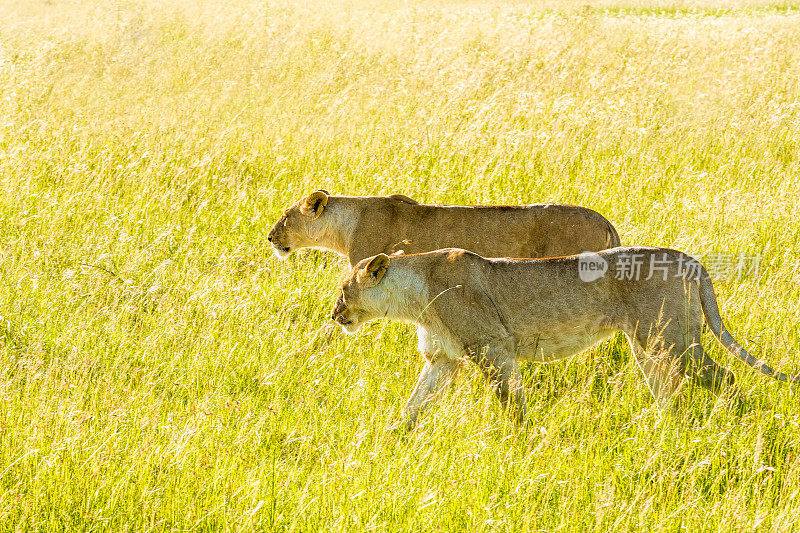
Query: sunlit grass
[[160, 370]]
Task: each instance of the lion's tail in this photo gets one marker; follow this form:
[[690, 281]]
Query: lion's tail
[[711, 311]]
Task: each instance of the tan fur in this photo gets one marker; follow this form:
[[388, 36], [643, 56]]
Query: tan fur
[[362, 226], [501, 311]]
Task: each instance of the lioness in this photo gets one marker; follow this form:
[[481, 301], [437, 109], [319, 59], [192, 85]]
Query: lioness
[[500, 311], [362, 226]]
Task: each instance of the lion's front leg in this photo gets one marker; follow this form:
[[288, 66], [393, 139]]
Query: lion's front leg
[[502, 370], [438, 368]]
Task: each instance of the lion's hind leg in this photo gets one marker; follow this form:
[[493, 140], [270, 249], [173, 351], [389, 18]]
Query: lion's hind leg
[[707, 372], [662, 372]]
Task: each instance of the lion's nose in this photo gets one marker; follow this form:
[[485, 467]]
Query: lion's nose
[[269, 237]]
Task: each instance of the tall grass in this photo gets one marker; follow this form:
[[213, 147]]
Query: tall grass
[[159, 370]]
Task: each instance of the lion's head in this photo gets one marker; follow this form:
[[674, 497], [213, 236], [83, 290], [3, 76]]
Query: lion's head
[[361, 298], [299, 225]]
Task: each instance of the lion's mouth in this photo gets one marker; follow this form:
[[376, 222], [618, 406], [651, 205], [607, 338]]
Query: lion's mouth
[[281, 251], [349, 326]]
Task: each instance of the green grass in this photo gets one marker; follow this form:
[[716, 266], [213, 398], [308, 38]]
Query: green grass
[[159, 370]]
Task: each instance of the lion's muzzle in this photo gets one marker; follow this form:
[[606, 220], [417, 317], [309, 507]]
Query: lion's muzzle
[[338, 314]]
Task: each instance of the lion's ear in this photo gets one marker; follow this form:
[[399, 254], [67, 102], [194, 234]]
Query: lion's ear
[[371, 273], [314, 203]]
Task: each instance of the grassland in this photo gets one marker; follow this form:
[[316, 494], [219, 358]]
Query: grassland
[[159, 370]]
